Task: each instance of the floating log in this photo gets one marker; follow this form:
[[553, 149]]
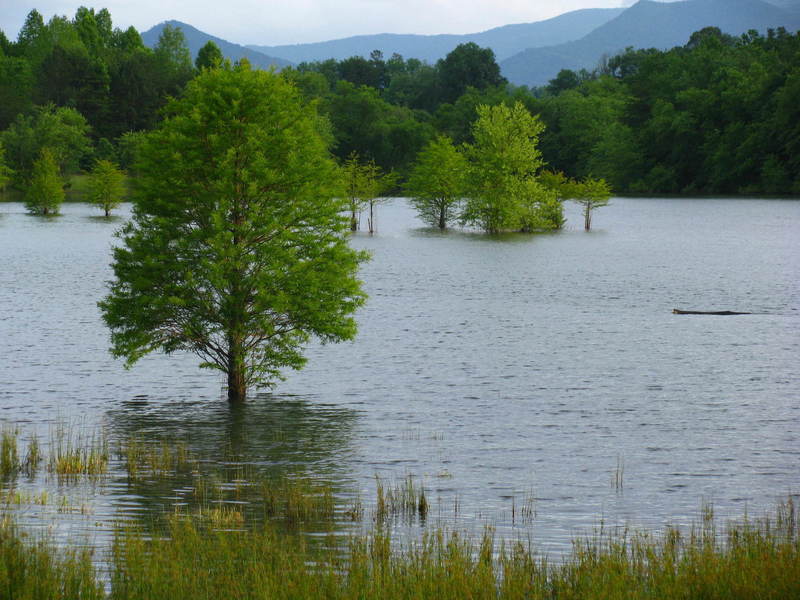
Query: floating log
[[675, 311]]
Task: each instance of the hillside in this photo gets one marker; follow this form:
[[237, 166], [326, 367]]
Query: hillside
[[645, 25], [505, 41], [196, 39]]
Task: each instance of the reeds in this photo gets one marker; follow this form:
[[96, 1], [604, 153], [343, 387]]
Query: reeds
[[10, 462], [35, 569], [155, 459], [74, 453], [404, 499], [194, 559]]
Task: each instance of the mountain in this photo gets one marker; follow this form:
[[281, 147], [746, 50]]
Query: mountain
[[505, 41], [646, 24], [196, 39]]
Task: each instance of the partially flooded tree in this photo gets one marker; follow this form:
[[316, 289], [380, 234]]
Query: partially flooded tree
[[364, 183], [504, 165], [437, 182], [106, 186], [45, 191], [591, 194], [237, 250]]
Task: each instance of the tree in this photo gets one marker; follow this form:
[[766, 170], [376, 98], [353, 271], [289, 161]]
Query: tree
[[468, 65], [591, 194], [364, 184], [62, 130], [237, 249], [6, 173], [208, 57], [106, 186], [45, 192], [437, 182], [504, 164]]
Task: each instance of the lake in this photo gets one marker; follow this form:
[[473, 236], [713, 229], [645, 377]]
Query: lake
[[498, 371]]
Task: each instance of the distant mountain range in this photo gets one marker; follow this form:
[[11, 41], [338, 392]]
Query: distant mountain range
[[505, 41], [646, 25], [196, 39], [533, 53]]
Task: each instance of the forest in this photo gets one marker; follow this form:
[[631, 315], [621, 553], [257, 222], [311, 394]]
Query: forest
[[719, 115]]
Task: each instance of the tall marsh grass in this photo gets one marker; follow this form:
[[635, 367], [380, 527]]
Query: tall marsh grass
[[741, 561]]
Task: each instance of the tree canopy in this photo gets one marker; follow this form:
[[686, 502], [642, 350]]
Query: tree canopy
[[237, 249]]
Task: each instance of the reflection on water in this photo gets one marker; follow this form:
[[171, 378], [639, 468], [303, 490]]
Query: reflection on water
[[500, 372], [231, 450]]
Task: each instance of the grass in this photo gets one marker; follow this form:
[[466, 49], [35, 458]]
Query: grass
[[405, 499], [11, 464], [155, 459], [73, 454], [218, 547], [742, 560]]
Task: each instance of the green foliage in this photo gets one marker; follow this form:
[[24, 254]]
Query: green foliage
[[237, 250], [589, 193], [208, 57], [6, 172], [63, 131], [467, 65], [438, 182], [364, 123], [45, 191], [207, 558], [505, 193], [364, 184], [106, 186]]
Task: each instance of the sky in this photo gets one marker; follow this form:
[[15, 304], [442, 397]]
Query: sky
[[275, 22]]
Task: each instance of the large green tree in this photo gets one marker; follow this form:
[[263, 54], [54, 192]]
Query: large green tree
[[468, 65], [505, 191], [437, 182], [237, 249]]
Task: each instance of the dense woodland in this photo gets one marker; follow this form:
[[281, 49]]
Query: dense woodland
[[719, 115]]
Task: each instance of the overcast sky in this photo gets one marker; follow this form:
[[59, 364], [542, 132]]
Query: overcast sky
[[272, 22]]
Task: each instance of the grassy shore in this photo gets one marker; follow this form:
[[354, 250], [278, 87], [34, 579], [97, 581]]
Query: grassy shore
[[193, 559], [213, 548]]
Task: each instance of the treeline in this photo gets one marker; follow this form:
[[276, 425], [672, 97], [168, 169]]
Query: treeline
[[719, 115]]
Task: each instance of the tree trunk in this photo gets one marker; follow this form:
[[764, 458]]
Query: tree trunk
[[587, 216], [237, 387], [442, 219], [371, 218]]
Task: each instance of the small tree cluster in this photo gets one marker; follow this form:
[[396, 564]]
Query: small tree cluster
[[493, 183], [365, 183]]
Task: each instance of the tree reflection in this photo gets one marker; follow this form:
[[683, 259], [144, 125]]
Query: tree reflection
[[233, 452]]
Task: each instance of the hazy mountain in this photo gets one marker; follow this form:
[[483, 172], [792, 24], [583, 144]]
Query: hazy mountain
[[196, 39], [505, 41], [646, 25]]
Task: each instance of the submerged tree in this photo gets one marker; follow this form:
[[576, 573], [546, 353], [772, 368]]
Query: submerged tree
[[106, 186], [45, 191], [237, 250], [437, 182], [505, 160], [591, 194], [365, 183]]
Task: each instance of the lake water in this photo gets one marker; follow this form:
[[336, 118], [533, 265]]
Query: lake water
[[496, 371]]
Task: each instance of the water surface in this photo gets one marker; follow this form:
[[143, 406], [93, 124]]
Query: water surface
[[493, 369]]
